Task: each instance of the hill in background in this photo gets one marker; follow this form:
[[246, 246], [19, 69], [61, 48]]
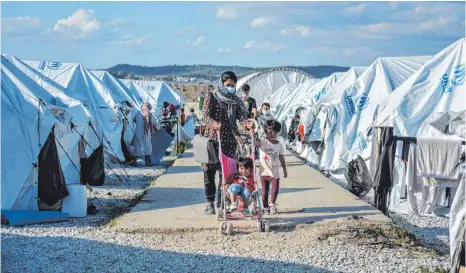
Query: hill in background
[[193, 73]]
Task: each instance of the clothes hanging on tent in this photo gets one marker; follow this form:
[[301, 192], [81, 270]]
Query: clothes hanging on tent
[[438, 158], [383, 175], [51, 181]]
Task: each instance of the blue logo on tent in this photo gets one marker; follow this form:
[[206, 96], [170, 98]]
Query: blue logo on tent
[[42, 65], [54, 65], [362, 141], [363, 101], [459, 75], [446, 84], [350, 105], [320, 94]]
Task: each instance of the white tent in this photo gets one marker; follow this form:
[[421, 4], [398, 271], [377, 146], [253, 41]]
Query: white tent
[[80, 83], [432, 95], [284, 91], [285, 105], [376, 84], [325, 113], [75, 113], [119, 91], [162, 91], [267, 82], [138, 93], [359, 102], [29, 115]]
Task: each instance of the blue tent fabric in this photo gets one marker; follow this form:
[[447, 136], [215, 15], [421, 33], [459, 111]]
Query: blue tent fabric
[[161, 140], [27, 217]]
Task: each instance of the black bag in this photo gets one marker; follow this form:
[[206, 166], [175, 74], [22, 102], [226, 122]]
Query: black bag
[[51, 181], [358, 177]]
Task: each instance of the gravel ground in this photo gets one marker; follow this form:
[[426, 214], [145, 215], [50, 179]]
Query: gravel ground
[[91, 245], [330, 247]]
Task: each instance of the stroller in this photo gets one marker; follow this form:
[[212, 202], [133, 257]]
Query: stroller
[[226, 217]]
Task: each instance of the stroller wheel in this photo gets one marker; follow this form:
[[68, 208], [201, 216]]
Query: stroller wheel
[[221, 228], [229, 229], [259, 226]]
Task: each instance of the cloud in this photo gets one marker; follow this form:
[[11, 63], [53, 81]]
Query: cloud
[[21, 24], [227, 12], [261, 22], [438, 26], [354, 10], [221, 50], [129, 41], [296, 30], [196, 42], [80, 25], [253, 44]]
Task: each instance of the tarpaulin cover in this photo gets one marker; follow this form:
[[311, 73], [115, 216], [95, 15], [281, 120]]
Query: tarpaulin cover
[[52, 186], [161, 140], [26, 217]]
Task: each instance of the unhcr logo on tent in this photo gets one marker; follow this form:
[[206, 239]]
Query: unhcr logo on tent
[[362, 141], [448, 84], [350, 105], [54, 65], [320, 94], [363, 101], [49, 65], [459, 75]]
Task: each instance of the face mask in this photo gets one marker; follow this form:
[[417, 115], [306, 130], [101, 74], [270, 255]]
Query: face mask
[[267, 112], [231, 90]]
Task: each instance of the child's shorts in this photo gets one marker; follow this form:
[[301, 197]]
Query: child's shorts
[[238, 189]]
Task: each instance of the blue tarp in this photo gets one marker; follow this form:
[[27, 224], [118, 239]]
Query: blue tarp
[[160, 143], [28, 217]]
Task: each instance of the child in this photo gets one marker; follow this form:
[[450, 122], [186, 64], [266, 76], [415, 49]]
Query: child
[[271, 154], [263, 117], [265, 113], [241, 184]]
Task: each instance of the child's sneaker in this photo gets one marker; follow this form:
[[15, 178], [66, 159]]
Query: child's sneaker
[[246, 212], [266, 210], [273, 209]]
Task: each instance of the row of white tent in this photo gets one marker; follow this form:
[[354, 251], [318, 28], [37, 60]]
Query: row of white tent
[[416, 96], [56, 118]]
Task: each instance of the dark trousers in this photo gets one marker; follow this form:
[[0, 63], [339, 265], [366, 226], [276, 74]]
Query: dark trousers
[[210, 187], [266, 182]]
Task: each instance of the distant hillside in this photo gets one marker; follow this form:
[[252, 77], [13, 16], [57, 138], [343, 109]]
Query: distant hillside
[[207, 72]]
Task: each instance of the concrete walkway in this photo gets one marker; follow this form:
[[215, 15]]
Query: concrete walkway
[[177, 201]]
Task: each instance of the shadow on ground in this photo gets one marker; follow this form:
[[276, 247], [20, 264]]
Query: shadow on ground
[[99, 257]]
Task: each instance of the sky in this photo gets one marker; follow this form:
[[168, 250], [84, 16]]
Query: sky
[[255, 34]]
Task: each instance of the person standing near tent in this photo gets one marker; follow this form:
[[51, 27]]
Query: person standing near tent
[[249, 102], [142, 141], [222, 109], [183, 118]]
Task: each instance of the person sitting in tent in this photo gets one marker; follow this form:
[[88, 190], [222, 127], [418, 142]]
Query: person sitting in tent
[[145, 128], [249, 102]]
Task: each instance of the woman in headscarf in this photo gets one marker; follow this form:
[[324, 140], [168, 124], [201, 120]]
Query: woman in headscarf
[[222, 109], [145, 128]]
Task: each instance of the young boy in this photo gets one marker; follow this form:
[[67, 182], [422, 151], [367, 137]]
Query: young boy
[[271, 154], [241, 184]]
